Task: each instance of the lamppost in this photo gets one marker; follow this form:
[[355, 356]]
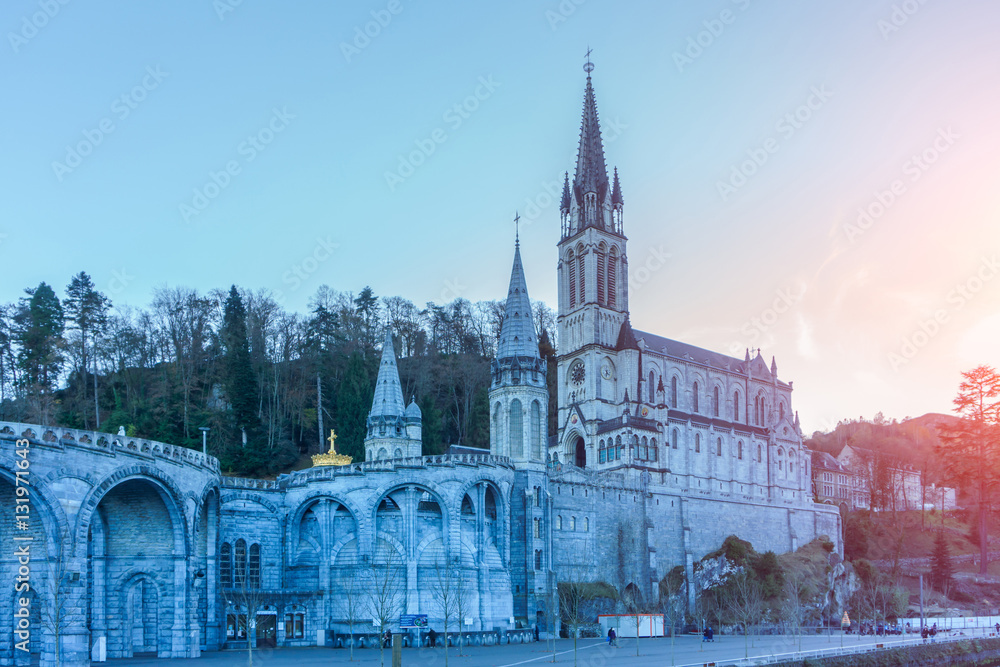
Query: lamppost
[[204, 439]]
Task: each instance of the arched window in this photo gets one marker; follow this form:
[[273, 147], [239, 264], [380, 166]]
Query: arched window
[[694, 397], [697, 442], [739, 450], [583, 277], [601, 272], [536, 527], [673, 439], [253, 567], [538, 559], [612, 276], [226, 565], [652, 448], [736, 406], [536, 431], [718, 447], [559, 522], [618, 447], [572, 523], [652, 388], [240, 563], [715, 402], [516, 429], [781, 410], [673, 393], [644, 452], [601, 453], [759, 459], [571, 267], [586, 524]]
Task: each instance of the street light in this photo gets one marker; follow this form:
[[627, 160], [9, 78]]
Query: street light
[[204, 439]]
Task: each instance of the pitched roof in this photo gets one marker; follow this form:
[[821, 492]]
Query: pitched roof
[[517, 333], [674, 348], [626, 337], [388, 399]]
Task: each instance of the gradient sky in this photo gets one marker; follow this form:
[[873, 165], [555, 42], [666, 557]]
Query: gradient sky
[[895, 80]]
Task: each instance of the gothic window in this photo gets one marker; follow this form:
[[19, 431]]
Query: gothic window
[[559, 522], [673, 392], [697, 442], [718, 447], [694, 393], [644, 453], [586, 524], [226, 565], [781, 410], [673, 439], [571, 263], [652, 448], [516, 429], [739, 450], [536, 431], [618, 447], [583, 277], [601, 266], [715, 402], [652, 388], [759, 459], [538, 496], [536, 530], [600, 452], [756, 410], [538, 559], [240, 564], [612, 278], [736, 406], [572, 523], [253, 567]]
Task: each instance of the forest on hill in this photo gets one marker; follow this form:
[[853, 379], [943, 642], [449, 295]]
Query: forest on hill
[[238, 363]]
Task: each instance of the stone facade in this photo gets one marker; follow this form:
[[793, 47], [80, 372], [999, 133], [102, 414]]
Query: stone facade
[[663, 449]]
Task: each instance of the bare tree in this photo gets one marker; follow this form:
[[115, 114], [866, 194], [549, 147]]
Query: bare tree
[[247, 598], [573, 599], [445, 589], [796, 591], [744, 601], [352, 605], [671, 603], [54, 610], [384, 584]]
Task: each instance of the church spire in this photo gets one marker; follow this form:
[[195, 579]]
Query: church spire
[[388, 399], [517, 333], [590, 183]]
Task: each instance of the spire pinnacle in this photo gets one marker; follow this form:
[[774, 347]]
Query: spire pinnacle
[[591, 176], [388, 398], [517, 332], [565, 203]]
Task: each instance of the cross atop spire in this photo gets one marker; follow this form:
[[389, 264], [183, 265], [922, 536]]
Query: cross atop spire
[[517, 229], [589, 66]]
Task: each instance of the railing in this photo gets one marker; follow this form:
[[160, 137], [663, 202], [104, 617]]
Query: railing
[[108, 443]]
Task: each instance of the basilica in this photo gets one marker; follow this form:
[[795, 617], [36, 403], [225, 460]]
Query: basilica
[[662, 449]]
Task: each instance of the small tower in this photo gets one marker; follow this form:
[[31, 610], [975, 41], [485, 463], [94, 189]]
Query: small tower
[[518, 394], [394, 431]]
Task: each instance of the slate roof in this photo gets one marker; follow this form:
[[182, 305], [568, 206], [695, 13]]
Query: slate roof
[[388, 399], [517, 333]]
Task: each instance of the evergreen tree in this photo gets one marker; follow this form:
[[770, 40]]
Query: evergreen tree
[[941, 565], [237, 375], [430, 427], [354, 400], [39, 328], [86, 310], [547, 351]]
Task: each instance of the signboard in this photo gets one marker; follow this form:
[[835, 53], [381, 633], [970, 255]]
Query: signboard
[[468, 620], [846, 620], [413, 621]]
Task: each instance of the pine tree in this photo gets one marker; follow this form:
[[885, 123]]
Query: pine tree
[[354, 400], [237, 374], [941, 565], [39, 329], [86, 310]]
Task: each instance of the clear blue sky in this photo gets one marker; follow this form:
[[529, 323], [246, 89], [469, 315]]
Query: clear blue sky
[[199, 81]]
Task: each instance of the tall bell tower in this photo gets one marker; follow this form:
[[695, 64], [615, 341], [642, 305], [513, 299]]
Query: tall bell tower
[[593, 277]]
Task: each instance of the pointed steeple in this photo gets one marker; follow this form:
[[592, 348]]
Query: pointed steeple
[[616, 193], [591, 171], [564, 205], [517, 333], [747, 359], [388, 399], [774, 367], [626, 337]]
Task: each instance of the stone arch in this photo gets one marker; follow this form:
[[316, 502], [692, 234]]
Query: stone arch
[[144, 615], [422, 487]]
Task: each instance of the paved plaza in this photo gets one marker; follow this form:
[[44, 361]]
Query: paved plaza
[[687, 650]]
